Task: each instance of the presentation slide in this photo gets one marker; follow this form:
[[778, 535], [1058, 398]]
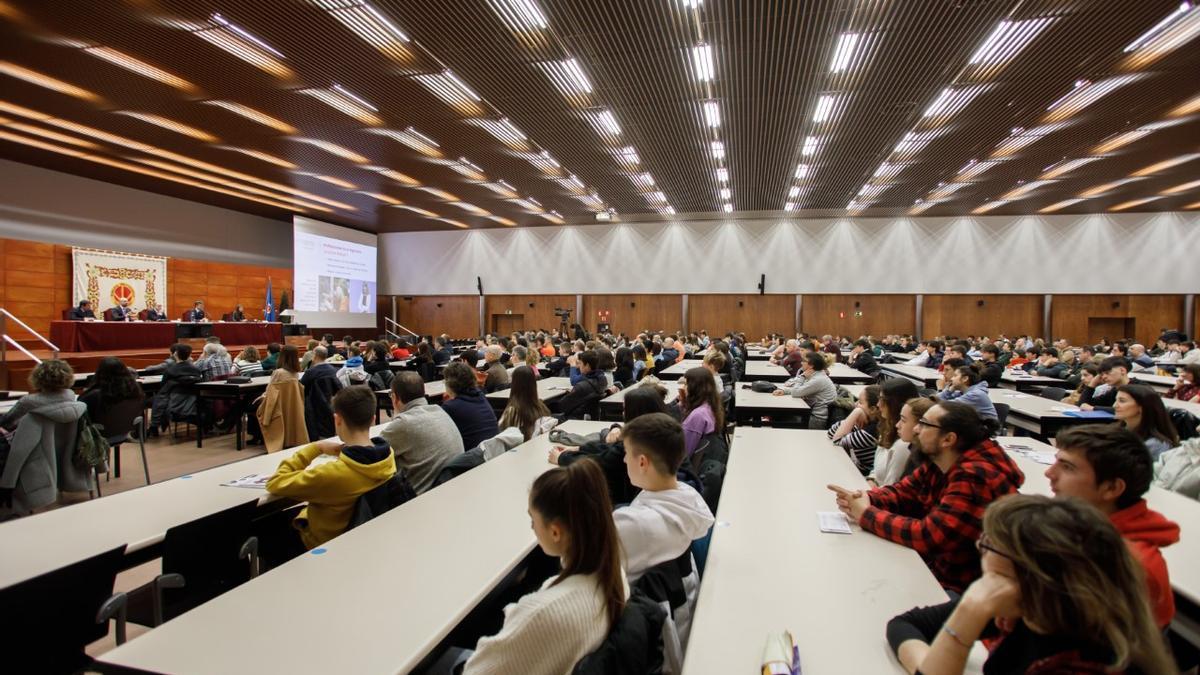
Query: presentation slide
[[334, 275]]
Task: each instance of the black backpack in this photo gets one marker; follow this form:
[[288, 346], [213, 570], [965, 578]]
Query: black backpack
[[382, 498]]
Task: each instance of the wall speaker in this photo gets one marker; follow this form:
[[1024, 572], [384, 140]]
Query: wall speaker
[[633, 304], [531, 304], [479, 284], [741, 304], [439, 304], [762, 284], [979, 303], [1116, 304], [857, 304]]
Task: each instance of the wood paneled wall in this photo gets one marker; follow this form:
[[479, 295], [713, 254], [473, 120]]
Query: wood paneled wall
[[755, 315], [635, 313], [963, 315], [455, 315], [37, 280], [835, 314], [1070, 314], [536, 311]]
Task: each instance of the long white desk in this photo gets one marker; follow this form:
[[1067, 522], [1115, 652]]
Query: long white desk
[[1160, 383], [139, 517], [763, 370], [919, 375], [749, 405], [841, 373], [617, 400], [548, 389], [770, 568], [1022, 381], [1039, 415], [1181, 557], [681, 368], [379, 598]]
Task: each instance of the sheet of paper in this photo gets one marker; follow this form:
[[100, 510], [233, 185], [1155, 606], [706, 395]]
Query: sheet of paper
[[833, 521], [256, 481]]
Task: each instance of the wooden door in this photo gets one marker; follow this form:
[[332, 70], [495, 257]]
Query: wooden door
[[503, 324], [1111, 328]]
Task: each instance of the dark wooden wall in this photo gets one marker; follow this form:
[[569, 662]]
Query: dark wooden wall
[[962, 315], [755, 315], [835, 314], [635, 313]]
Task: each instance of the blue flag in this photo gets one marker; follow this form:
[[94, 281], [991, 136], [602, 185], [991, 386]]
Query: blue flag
[[269, 310]]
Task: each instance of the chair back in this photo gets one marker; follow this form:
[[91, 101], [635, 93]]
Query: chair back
[[227, 316], [1002, 413], [1053, 393], [186, 315], [633, 645], [49, 620], [459, 465], [118, 418], [207, 552], [143, 314], [1184, 422], [108, 315], [66, 314], [382, 498]]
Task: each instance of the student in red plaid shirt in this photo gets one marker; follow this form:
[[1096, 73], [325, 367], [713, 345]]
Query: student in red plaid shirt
[[938, 509]]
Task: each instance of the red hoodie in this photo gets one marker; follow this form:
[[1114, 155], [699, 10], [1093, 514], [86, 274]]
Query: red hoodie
[[1146, 532]]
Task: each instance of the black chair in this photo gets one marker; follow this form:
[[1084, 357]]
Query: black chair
[[201, 560], [640, 626], [121, 420], [50, 619], [459, 465], [1002, 413], [383, 498], [1053, 393], [1185, 423]]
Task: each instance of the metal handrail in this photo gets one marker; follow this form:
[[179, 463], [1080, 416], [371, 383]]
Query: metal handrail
[[26, 352], [31, 331], [392, 321]]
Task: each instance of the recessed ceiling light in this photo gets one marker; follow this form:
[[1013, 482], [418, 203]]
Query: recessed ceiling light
[[371, 25], [345, 102], [504, 131], [522, 16], [790, 206], [1106, 187], [628, 157], [270, 159], [712, 113], [726, 194], [34, 77], [802, 171], [604, 121], [255, 116], [824, 108], [717, 148], [794, 191], [1184, 187], [644, 181], [1006, 41], [1132, 203], [844, 52], [1066, 166], [1165, 164], [452, 91], [568, 77], [1085, 93], [170, 125], [727, 208], [723, 175], [989, 206], [811, 145], [702, 62], [142, 68], [241, 43], [1058, 206], [1172, 32], [333, 149]]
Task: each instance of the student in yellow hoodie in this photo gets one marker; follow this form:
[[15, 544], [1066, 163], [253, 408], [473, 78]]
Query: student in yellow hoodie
[[355, 464]]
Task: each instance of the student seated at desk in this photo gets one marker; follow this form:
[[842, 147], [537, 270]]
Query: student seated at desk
[[937, 509], [1060, 593], [965, 384], [359, 464], [1114, 373], [249, 363], [1110, 468], [270, 363], [524, 409], [993, 371], [904, 454], [1089, 378], [588, 390], [858, 434], [549, 630], [1140, 409], [1048, 365], [814, 386], [862, 359], [113, 383], [1187, 386], [422, 436], [700, 406], [466, 404]]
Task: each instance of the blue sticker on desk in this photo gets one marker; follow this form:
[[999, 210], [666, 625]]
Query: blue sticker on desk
[[319, 551], [185, 477]]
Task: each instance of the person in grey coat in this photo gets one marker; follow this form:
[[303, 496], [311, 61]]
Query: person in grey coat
[[422, 436], [813, 385], [41, 457]]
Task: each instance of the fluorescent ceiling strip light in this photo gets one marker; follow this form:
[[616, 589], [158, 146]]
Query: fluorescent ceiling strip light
[[501, 188], [242, 44], [604, 122], [332, 180], [142, 68], [503, 221], [456, 223], [802, 171], [667, 210], [726, 194], [643, 181], [467, 171], [471, 208], [1177, 29], [723, 175], [1165, 164], [1021, 138], [989, 206], [347, 104], [628, 157], [382, 197], [844, 52], [702, 62], [951, 101], [531, 205], [254, 116], [717, 148], [47, 82], [727, 208], [333, 149], [47, 134], [414, 209], [175, 168], [1058, 206], [794, 191], [440, 194], [568, 77], [504, 131], [1023, 190], [1105, 188], [1006, 41], [574, 185], [591, 201], [1184, 187], [656, 197], [1123, 206], [1066, 166], [1123, 139], [825, 103], [887, 171], [973, 169], [913, 142], [943, 191], [451, 91], [554, 217], [712, 113], [921, 207], [811, 145], [170, 125], [1186, 108], [402, 178], [411, 138], [871, 191], [1084, 94], [790, 206], [256, 154], [544, 163], [522, 16], [1193, 205], [371, 25]]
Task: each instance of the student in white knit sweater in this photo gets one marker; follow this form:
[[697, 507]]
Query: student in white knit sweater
[[549, 630], [663, 519]]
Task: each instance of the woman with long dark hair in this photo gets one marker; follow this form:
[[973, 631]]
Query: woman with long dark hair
[[113, 383], [700, 405], [524, 407], [624, 367], [1139, 408], [549, 630]]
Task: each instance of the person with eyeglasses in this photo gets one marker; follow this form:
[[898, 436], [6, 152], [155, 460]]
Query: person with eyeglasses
[[1059, 593], [1110, 468], [937, 509]]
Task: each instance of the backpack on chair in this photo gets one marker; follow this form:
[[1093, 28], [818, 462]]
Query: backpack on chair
[[91, 447]]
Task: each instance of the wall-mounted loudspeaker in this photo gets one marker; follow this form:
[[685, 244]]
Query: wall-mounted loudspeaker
[[531, 304], [741, 304], [1116, 304], [762, 284], [439, 305], [979, 303], [857, 304], [479, 284], [633, 304]]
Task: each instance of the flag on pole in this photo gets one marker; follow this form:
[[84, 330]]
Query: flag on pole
[[269, 310]]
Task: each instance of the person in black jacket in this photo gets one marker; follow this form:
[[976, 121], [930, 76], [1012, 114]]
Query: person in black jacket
[[320, 383], [862, 360], [582, 398], [1114, 372], [989, 356], [466, 404], [173, 402], [83, 311], [442, 354]]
